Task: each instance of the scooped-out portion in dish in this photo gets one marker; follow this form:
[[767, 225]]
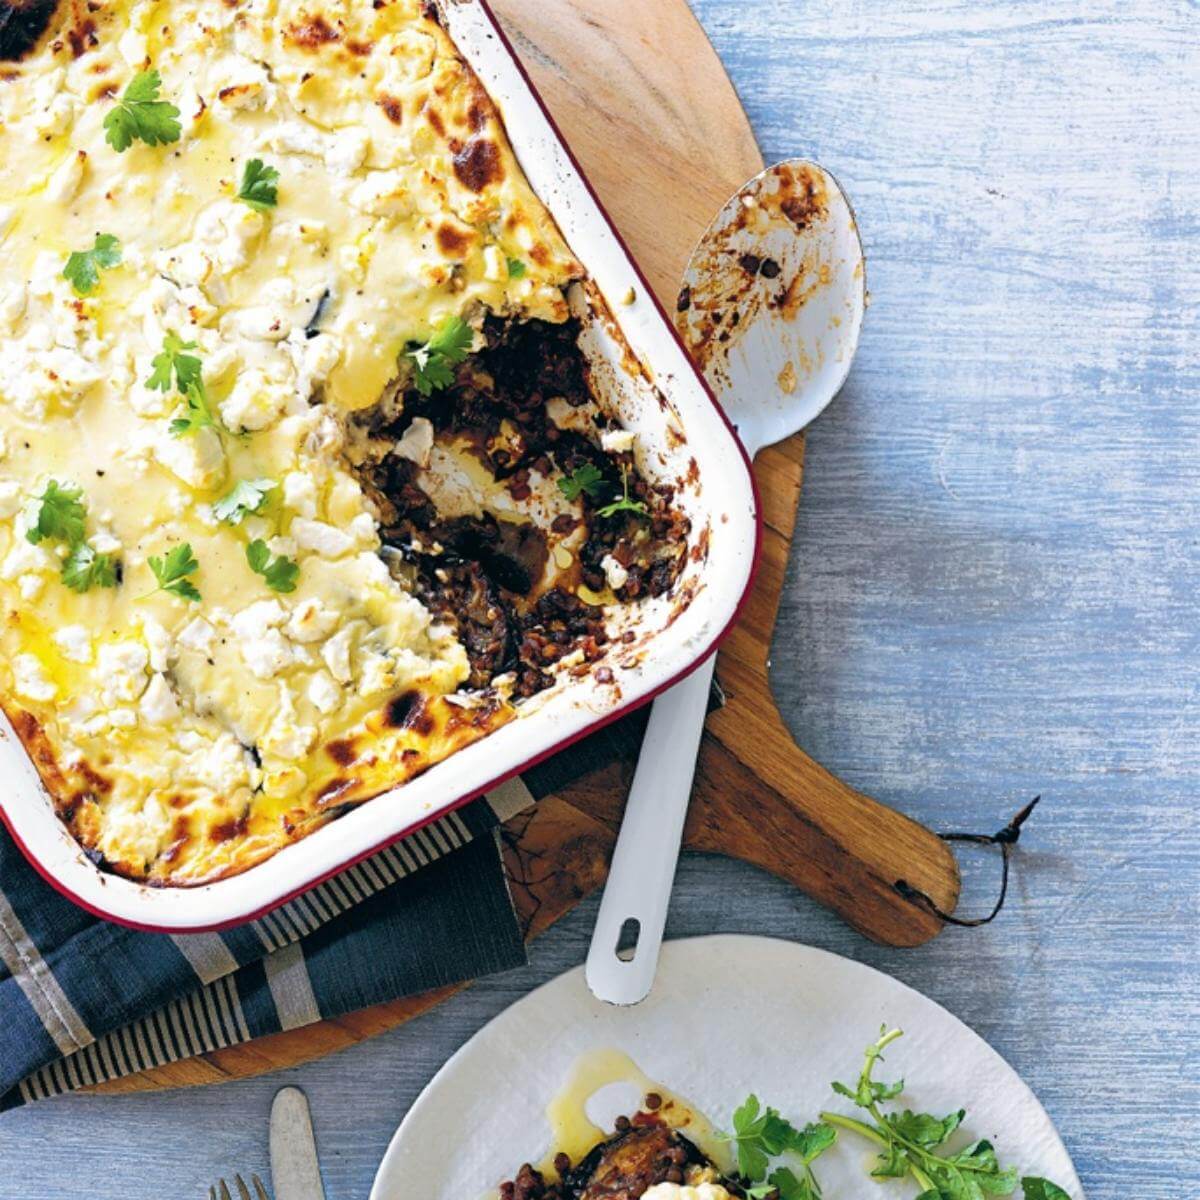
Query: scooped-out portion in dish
[[307, 478]]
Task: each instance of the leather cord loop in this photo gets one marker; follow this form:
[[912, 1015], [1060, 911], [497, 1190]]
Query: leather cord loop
[[1006, 839]]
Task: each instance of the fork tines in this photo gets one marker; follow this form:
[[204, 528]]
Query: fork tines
[[220, 1190]]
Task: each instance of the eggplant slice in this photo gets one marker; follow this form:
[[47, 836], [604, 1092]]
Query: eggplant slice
[[22, 23]]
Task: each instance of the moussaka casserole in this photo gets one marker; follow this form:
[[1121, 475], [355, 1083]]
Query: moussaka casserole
[[305, 481]]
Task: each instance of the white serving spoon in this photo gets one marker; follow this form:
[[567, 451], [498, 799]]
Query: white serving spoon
[[771, 308]]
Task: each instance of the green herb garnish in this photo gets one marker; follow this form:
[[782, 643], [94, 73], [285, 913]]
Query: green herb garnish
[[587, 478], [248, 496], [59, 515], [1042, 1189], [141, 115], [172, 362], [279, 572], [84, 569], [912, 1143], [433, 362], [198, 413], [259, 186], [624, 503], [516, 269], [172, 572], [760, 1135], [83, 266]]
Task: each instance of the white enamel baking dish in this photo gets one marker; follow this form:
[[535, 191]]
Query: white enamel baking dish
[[672, 638]]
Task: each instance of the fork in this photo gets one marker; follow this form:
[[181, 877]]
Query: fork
[[220, 1190]]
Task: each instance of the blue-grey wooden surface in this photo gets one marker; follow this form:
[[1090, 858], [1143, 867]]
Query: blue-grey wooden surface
[[994, 590]]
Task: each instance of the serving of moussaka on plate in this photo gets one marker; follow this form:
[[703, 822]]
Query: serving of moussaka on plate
[[305, 479]]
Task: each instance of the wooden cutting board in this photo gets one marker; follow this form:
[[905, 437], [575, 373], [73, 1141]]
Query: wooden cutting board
[[649, 111]]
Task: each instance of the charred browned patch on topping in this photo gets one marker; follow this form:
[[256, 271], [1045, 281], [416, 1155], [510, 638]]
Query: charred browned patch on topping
[[540, 254], [83, 37], [361, 49], [22, 23], [435, 120], [402, 709], [454, 242], [343, 752], [228, 830], [333, 790], [429, 11], [482, 109], [477, 164], [312, 33], [693, 472], [96, 782], [393, 108]]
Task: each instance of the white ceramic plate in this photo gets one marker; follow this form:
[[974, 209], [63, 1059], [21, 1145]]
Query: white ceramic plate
[[728, 1016]]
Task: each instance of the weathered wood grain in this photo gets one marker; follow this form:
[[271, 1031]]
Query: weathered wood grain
[[993, 589]]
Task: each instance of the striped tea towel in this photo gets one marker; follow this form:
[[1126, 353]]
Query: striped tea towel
[[83, 1001]]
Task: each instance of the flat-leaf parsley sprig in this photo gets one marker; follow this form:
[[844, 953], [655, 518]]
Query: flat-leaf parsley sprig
[[760, 1135], [246, 497], [279, 572], [434, 361], [172, 573], [174, 365], [588, 478], [83, 266], [60, 515], [140, 115], [259, 187], [624, 503]]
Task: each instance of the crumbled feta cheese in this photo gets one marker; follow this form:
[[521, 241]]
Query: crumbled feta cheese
[[323, 693], [31, 586], [30, 679], [614, 572], [65, 181], [198, 459], [300, 493], [618, 441], [10, 498], [417, 443], [159, 642], [321, 538], [256, 402], [264, 649], [197, 635], [121, 671], [74, 643], [336, 653], [311, 621], [159, 705]]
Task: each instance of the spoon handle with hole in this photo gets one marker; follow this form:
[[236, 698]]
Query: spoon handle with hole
[[647, 851]]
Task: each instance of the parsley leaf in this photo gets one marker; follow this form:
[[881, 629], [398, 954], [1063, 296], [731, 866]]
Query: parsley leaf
[[141, 115], [83, 569], [199, 415], [280, 572], [587, 478], [1042, 1189], [173, 570], [57, 514], [517, 269], [433, 362], [172, 362], [258, 187], [760, 1135], [83, 266], [623, 503], [247, 496]]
